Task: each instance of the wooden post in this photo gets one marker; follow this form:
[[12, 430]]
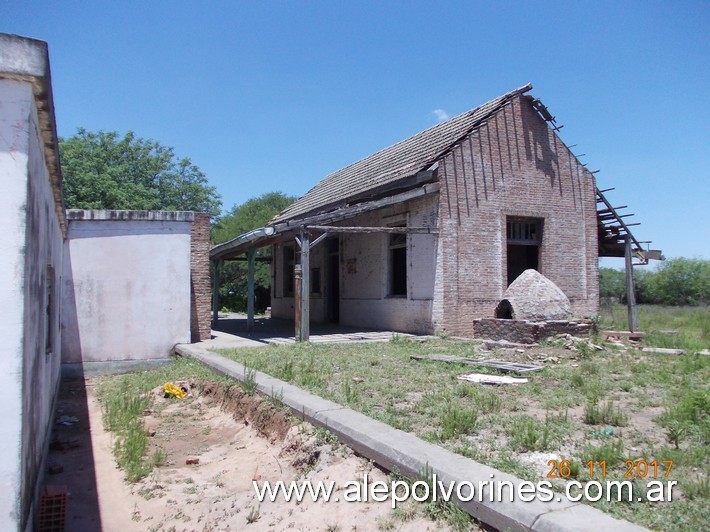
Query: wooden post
[[251, 255], [297, 300], [632, 309], [305, 286], [215, 293]]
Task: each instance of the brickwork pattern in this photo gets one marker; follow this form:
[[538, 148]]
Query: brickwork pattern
[[513, 165], [526, 332], [200, 284]]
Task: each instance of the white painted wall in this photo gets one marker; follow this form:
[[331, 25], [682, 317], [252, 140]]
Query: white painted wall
[[30, 239], [14, 155], [127, 289], [364, 273]]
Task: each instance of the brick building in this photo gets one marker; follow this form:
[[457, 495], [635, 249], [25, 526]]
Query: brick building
[[427, 234]]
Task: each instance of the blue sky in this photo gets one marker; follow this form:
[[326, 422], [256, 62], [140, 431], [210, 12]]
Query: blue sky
[[274, 95]]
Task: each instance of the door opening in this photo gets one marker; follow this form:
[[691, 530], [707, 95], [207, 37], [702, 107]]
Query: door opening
[[333, 287]]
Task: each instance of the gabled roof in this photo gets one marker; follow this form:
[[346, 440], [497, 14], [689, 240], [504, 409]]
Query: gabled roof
[[390, 165]]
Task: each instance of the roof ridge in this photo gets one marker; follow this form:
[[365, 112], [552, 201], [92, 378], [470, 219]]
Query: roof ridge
[[507, 95], [396, 161]]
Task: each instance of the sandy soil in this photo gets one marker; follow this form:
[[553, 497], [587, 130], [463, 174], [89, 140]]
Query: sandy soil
[[236, 439]]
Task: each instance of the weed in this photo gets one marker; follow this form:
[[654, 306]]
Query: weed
[[276, 398], [697, 489], [490, 403], [577, 380], [249, 383], [527, 435], [253, 515], [350, 393], [675, 431], [406, 511], [325, 437], [287, 371], [605, 414], [457, 421], [159, 458], [612, 453]]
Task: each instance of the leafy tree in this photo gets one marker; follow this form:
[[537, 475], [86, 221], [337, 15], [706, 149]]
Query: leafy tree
[[677, 281], [612, 283], [105, 171], [680, 281], [252, 214]]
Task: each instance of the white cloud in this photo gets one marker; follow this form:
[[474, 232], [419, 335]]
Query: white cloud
[[441, 115]]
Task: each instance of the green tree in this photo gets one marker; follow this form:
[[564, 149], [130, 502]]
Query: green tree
[[612, 283], [252, 214], [680, 281], [103, 170]]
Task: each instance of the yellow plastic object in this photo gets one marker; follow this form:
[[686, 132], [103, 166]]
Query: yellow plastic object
[[173, 390]]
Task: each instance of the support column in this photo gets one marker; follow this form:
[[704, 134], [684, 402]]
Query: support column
[[632, 309], [297, 301], [305, 286], [215, 292], [251, 255]]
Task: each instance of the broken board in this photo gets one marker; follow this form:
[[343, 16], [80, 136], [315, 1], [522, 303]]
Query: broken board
[[482, 378], [501, 365]]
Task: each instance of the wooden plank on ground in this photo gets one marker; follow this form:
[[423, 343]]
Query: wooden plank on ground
[[446, 358], [662, 351], [636, 335], [510, 367], [502, 365]]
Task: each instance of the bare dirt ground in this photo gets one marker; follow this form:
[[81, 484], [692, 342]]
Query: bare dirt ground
[[236, 438]]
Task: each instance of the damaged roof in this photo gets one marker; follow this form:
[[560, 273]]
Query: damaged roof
[[395, 163]]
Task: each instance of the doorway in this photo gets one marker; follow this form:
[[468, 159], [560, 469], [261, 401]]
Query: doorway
[[524, 237], [333, 280]]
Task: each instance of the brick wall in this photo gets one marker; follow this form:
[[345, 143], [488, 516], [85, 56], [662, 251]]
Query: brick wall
[[526, 332], [514, 165], [200, 287]]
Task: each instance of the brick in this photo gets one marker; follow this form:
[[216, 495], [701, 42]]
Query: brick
[[200, 285]]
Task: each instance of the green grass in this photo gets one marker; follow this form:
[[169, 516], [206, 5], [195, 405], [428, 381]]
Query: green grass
[[691, 325], [585, 408]]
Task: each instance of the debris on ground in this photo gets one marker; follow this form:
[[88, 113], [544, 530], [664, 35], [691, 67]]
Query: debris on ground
[[501, 365], [67, 420], [482, 378], [662, 351], [171, 390]]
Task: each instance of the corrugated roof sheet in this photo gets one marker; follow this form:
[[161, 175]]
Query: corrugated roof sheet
[[396, 162]]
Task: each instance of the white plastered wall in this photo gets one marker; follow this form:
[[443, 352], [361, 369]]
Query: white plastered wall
[[127, 289]]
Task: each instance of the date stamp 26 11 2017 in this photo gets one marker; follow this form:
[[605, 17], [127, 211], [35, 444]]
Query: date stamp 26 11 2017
[[632, 468]]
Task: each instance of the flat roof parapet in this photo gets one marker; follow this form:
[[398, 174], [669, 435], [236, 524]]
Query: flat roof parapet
[[119, 215], [26, 59]]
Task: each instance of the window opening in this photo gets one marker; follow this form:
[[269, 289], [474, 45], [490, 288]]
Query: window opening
[[524, 237], [398, 263]]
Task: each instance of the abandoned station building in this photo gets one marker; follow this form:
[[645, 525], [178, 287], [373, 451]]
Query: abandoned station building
[[427, 234]]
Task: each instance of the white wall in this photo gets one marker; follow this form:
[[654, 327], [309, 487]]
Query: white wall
[[31, 242], [364, 273], [127, 288], [14, 155]]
